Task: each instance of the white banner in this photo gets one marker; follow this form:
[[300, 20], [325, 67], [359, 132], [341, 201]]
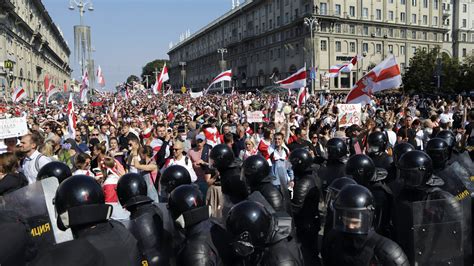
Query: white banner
[[349, 114], [13, 127], [255, 117], [196, 94]]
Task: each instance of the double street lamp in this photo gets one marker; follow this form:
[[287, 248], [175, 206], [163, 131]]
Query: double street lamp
[[312, 23], [81, 5]]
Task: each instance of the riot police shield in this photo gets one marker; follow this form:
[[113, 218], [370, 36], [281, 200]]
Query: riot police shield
[[430, 232], [35, 203]]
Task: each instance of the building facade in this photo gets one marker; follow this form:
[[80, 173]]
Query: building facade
[[31, 46], [268, 40], [461, 27]]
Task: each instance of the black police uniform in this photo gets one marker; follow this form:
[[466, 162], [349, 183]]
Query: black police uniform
[[146, 220], [392, 180], [257, 174], [172, 177], [16, 244], [358, 243], [377, 146], [80, 205], [305, 204], [335, 165]]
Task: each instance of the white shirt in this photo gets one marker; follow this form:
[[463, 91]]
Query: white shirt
[[392, 137], [29, 168], [182, 162], [83, 172]]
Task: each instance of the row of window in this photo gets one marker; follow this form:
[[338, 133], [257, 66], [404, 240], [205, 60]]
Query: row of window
[[365, 47], [323, 9]]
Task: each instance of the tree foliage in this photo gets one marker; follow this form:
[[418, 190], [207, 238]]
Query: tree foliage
[[425, 66], [150, 68], [132, 78]]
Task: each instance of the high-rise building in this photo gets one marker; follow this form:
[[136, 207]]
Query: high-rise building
[[31, 46], [268, 40], [458, 16]]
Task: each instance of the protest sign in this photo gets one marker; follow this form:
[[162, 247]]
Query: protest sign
[[255, 117], [13, 127], [349, 114]]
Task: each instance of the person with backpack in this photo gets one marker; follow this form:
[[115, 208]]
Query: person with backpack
[[33, 160]]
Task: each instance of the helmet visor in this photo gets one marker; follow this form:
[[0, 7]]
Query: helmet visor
[[412, 177], [353, 221], [374, 149]]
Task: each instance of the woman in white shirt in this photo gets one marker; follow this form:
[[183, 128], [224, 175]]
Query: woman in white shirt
[[249, 150]]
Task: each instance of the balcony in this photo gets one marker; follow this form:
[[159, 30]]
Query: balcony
[[446, 13]]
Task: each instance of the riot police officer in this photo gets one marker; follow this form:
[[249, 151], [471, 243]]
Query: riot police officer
[[377, 150], [16, 244], [455, 155], [423, 199], [363, 170], [172, 177], [55, 169], [257, 238], [353, 240], [257, 174], [453, 175], [393, 181], [146, 222], [80, 205], [206, 242], [305, 201], [233, 187], [334, 167]]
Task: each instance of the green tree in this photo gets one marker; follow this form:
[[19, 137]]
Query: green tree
[[150, 68], [132, 78]]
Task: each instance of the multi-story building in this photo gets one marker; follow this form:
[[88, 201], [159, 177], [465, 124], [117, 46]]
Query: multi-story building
[[31, 46], [268, 39], [458, 16]]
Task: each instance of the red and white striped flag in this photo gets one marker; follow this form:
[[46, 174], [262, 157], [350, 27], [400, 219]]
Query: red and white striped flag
[[347, 67], [162, 79], [128, 96], [84, 87], [100, 77], [18, 94], [71, 127], [224, 76], [52, 90], [46, 83], [297, 80], [38, 99], [385, 75], [302, 95]]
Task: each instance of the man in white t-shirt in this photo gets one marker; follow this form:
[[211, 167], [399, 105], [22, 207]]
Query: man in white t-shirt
[[180, 159], [34, 160]]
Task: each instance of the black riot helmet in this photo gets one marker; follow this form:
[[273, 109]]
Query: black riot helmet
[[132, 190], [335, 187], [416, 168], [449, 137], [300, 159], [354, 210], [361, 168], [187, 206], [251, 225], [401, 149], [337, 149], [54, 169], [80, 201], [174, 176], [438, 150], [255, 169], [377, 142], [221, 157]]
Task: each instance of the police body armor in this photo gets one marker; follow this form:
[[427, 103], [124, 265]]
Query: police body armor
[[146, 225], [329, 171], [382, 160], [234, 189], [455, 178], [430, 231], [464, 159], [175, 237], [35, 204]]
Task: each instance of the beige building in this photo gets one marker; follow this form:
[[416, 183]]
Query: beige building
[[31, 46], [266, 39], [458, 16]]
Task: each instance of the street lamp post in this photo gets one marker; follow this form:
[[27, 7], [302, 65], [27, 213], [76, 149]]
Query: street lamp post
[[183, 72], [222, 51], [312, 23]]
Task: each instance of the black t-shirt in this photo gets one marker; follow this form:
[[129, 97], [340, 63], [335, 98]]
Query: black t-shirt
[[12, 182]]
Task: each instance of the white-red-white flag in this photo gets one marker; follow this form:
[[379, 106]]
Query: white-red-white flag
[[39, 99], [18, 94], [224, 76], [100, 77], [46, 83], [127, 94], [84, 87], [51, 91], [297, 80], [385, 75], [71, 127], [161, 79], [302, 95], [347, 67]]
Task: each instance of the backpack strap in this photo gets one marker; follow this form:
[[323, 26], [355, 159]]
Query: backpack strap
[[37, 162]]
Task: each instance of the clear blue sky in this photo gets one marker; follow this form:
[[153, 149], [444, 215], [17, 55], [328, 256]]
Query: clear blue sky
[[126, 34]]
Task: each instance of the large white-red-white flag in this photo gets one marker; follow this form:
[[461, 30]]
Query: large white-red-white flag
[[302, 96], [18, 94], [297, 80], [224, 76], [51, 91], [38, 99], [71, 127], [384, 76], [84, 87], [347, 67], [161, 79], [100, 77]]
